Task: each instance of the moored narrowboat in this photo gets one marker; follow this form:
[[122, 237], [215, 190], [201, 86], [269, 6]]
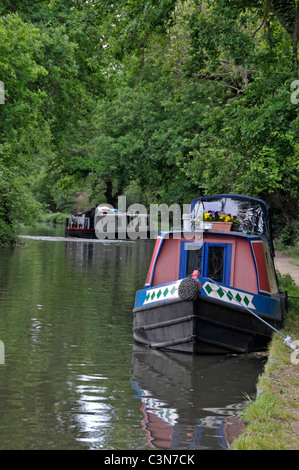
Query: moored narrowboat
[[212, 289], [103, 222]]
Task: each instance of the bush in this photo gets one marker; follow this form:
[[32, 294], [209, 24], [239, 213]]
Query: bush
[[287, 237], [54, 217], [7, 234]]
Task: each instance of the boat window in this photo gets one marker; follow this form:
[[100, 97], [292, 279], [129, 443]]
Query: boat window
[[215, 265], [194, 259], [210, 259]]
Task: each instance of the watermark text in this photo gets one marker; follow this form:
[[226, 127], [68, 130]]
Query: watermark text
[[295, 354], [2, 353], [2, 93], [135, 222], [295, 93]]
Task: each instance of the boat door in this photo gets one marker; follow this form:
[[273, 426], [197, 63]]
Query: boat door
[[212, 260]]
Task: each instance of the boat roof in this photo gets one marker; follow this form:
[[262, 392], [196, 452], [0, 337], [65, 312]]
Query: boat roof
[[240, 197], [252, 212]]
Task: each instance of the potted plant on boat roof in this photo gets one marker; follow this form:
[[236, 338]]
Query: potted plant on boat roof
[[219, 221]]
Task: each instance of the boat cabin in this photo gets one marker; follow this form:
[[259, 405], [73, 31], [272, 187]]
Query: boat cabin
[[211, 288], [238, 253], [240, 261]]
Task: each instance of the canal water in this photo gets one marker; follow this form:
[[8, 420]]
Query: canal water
[[71, 375]]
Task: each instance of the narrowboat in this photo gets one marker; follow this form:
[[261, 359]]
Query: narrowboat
[[212, 288], [103, 222]]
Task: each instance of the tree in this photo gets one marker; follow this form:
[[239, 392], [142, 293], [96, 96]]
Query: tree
[[179, 97], [24, 132], [52, 74], [246, 50]]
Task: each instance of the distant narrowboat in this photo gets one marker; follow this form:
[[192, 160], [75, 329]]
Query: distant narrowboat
[[212, 290], [103, 222]]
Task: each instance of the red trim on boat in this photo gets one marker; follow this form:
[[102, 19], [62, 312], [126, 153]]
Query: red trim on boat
[[153, 261], [261, 266]]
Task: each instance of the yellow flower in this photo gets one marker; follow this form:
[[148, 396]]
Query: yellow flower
[[207, 215], [222, 217], [227, 218]]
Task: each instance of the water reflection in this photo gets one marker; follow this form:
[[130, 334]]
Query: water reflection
[[66, 322], [93, 410], [187, 402]]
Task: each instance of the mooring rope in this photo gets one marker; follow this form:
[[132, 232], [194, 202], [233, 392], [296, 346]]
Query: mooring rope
[[287, 341]]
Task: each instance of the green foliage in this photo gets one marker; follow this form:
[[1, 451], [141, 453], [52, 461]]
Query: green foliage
[[132, 24], [54, 217], [287, 237], [248, 142], [287, 284], [271, 419], [177, 97], [16, 205], [50, 85], [24, 133]]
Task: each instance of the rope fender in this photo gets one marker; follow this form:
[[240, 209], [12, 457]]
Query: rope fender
[[188, 289]]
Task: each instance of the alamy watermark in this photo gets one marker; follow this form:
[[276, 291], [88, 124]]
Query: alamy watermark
[[2, 93], [295, 93], [2, 353], [295, 354], [135, 222]]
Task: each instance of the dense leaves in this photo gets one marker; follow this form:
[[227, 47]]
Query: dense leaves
[[158, 100]]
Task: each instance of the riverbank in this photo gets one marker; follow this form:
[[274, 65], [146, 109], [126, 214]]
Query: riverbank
[[53, 217], [272, 420], [285, 264]]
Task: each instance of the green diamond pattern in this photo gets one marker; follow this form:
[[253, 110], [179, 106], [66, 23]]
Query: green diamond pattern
[[230, 295], [220, 293], [208, 288], [159, 293], [233, 296]]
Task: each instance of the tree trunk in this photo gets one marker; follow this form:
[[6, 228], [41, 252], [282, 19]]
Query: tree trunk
[[295, 41], [111, 198], [284, 13]]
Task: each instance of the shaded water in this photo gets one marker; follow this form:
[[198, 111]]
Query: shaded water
[[72, 377]]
